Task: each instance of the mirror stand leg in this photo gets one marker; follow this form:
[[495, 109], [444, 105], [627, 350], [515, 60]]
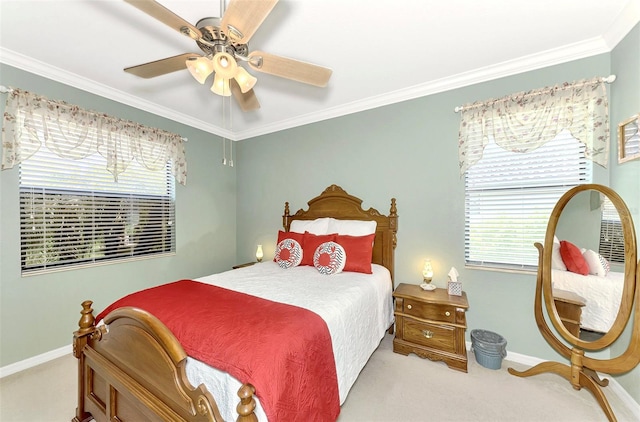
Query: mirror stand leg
[[602, 382], [590, 384], [555, 367]]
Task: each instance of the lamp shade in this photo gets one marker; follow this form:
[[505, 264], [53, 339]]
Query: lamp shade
[[225, 65], [245, 80], [221, 86], [200, 68], [427, 270], [259, 254]]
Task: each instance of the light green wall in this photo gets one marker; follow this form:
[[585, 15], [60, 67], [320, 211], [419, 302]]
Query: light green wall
[[39, 313], [407, 151], [625, 178]]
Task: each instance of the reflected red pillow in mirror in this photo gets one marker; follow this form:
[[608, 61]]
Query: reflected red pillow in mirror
[[572, 258]]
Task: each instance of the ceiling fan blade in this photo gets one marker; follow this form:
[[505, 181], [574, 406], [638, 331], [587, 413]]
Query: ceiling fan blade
[[166, 16], [161, 67], [243, 18], [291, 69], [247, 101]]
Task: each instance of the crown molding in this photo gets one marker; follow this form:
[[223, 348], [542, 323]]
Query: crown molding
[[523, 64], [623, 24]]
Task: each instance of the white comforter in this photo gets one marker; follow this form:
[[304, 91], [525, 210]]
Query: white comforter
[[358, 309], [602, 296]]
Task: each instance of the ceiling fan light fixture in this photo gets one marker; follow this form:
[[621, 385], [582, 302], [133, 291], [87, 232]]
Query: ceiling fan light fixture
[[221, 86], [245, 80], [200, 68], [225, 65]]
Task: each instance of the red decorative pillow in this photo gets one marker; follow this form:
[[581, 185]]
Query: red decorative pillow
[[329, 258], [359, 250], [310, 243], [288, 253], [572, 258], [298, 237]]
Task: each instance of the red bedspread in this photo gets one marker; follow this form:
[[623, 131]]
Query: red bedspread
[[283, 350]]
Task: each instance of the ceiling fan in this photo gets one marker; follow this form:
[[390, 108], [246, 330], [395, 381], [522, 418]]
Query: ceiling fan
[[224, 44]]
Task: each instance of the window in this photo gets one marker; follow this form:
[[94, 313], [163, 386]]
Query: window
[[73, 213], [509, 197], [611, 235]]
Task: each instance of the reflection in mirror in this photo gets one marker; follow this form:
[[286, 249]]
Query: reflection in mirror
[[588, 265]]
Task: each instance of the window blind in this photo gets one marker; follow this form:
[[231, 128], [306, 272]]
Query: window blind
[[72, 213], [509, 197], [611, 236]]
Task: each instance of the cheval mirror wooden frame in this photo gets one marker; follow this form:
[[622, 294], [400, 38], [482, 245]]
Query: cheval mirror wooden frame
[[582, 370]]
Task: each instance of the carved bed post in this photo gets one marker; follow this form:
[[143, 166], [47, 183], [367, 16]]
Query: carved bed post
[[80, 338], [286, 217], [247, 404]]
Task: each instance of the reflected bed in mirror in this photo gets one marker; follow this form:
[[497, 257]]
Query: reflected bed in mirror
[[587, 237]]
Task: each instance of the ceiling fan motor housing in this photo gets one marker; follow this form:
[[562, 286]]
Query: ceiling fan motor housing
[[215, 41]]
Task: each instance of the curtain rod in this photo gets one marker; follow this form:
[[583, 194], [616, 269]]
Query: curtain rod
[[608, 79], [6, 90]]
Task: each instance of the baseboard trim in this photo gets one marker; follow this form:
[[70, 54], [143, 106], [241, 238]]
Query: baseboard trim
[[35, 361]]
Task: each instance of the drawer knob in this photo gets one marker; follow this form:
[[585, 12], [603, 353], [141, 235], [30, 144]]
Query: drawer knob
[[427, 333], [447, 313], [408, 306]]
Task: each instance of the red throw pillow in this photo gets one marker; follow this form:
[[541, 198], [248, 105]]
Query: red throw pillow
[[310, 244], [359, 250], [572, 258], [298, 237]]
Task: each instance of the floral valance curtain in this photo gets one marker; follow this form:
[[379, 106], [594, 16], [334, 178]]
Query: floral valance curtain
[[74, 133], [525, 121]]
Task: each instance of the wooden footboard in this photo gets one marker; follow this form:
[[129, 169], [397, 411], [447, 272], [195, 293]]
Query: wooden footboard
[[133, 369]]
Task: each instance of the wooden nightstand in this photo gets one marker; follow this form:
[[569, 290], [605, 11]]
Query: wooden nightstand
[[246, 264], [431, 324], [569, 307]]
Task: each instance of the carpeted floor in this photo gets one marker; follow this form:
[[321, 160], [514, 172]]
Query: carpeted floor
[[391, 388]]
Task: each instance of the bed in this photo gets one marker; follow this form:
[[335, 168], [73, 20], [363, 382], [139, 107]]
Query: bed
[[131, 366], [601, 294]]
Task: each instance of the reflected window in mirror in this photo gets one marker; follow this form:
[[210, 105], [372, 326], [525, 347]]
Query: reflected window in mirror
[[611, 234]]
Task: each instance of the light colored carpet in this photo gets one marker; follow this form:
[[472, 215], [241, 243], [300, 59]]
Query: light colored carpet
[[391, 388]]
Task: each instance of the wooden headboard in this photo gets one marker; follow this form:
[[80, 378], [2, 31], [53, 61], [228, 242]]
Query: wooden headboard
[[337, 203]]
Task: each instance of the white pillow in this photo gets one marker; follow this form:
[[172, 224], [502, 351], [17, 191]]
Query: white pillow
[[352, 227], [556, 259], [329, 258], [598, 265], [317, 226]]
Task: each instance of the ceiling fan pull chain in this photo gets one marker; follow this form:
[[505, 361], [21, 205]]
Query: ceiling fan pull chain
[[231, 130], [224, 140]]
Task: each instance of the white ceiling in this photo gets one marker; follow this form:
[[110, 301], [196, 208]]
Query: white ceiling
[[381, 51]]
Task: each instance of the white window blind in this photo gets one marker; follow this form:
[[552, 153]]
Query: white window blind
[[72, 213], [611, 235], [509, 198]]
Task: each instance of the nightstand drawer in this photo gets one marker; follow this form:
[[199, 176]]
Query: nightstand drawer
[[430, 335], [435, 312]]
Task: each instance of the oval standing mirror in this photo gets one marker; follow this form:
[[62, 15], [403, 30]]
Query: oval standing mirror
[[573, 219], [587, 266]]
